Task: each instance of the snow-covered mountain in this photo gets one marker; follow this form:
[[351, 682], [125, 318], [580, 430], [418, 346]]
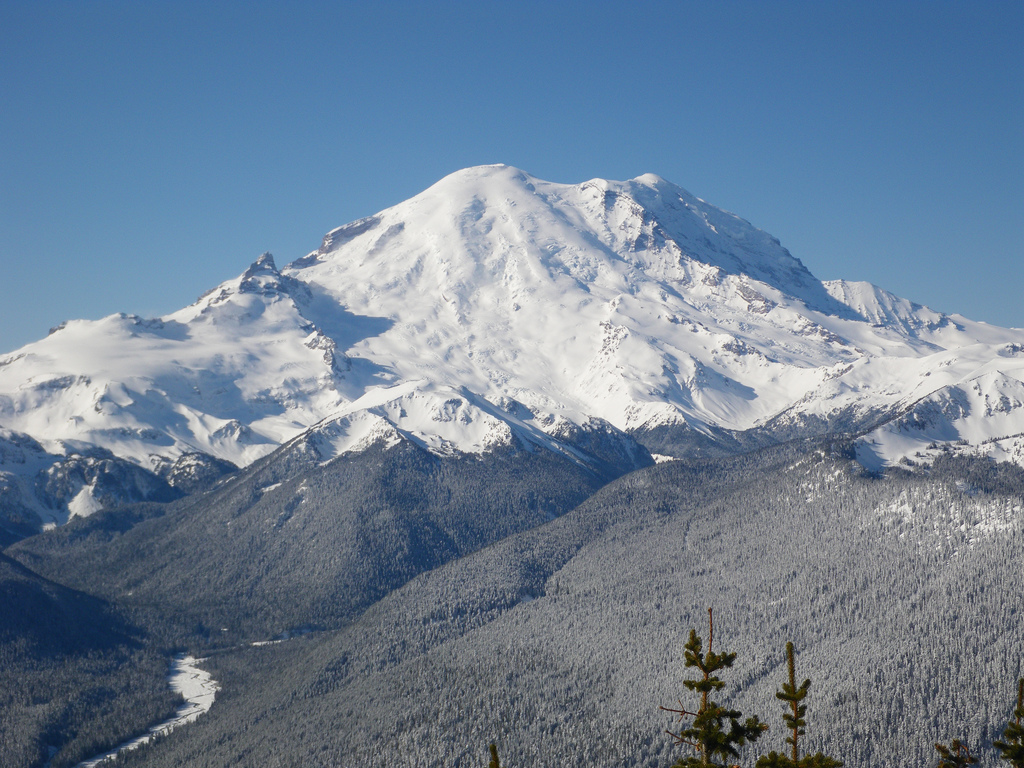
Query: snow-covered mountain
[[496, 309]]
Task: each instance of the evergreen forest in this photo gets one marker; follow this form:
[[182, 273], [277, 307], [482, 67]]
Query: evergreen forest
[[421, 609]]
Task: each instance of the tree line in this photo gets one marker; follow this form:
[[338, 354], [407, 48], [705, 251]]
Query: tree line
[[715, 733]]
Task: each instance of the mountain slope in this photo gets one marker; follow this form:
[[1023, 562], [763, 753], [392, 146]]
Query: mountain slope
[[293, 541], [74, 676], [494, 309], [901, 595], [632, 301]]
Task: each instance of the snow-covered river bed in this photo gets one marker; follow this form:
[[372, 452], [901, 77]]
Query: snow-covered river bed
[[199, 690]]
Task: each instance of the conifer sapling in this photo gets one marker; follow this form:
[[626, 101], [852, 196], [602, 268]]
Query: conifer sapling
[[956, 755], [794, 720], [715, 732]]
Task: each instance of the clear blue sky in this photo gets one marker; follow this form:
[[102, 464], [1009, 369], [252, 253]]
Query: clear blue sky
[[149, 150]]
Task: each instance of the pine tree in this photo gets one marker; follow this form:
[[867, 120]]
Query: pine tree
[[794, 720], [956, 755], [1012, 745], [495, 763], [715, 732]]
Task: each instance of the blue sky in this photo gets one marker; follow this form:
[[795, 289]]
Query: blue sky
[[149, 151]]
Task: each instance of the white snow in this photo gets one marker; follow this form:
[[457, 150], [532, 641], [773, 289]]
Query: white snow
[[83, 504], [631, 302]]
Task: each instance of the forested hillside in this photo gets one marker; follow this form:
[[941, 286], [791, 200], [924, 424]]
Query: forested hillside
[[74, 676], [292, 543], [901, 594]]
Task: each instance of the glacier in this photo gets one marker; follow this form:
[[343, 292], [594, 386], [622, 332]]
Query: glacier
[[497, 309]]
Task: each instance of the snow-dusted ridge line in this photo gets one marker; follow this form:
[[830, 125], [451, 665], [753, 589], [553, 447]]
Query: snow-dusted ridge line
[[630, 303]]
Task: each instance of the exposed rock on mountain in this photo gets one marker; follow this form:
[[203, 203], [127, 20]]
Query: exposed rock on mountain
[[496, 309]]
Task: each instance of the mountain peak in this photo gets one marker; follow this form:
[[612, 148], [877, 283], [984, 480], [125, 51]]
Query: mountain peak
[[632, 302], [263, 277], [263, 265], [485, 182], [486, 171]]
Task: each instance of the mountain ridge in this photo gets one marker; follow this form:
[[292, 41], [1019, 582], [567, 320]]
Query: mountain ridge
[[496, 307], [426, 451]]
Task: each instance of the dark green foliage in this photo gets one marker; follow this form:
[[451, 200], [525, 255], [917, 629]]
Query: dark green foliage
[[495, 763], [716, 731], [956, 755], [262, 553], [980, 473], [906, 607], [1012, 743], [794, 720], [75, 678], [794, 696], [559, 637], [776, 760], [292, 543]]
